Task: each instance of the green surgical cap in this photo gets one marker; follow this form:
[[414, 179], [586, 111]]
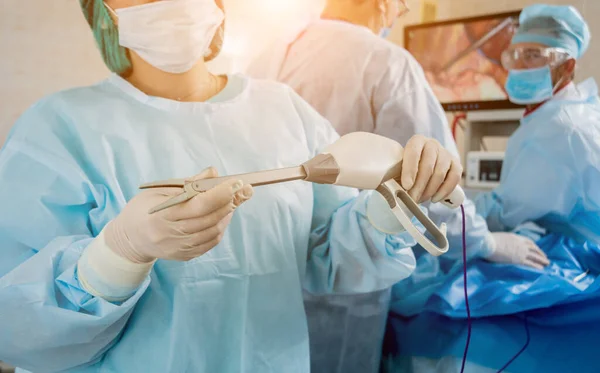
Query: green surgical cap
[[106, 35], [554, 26]]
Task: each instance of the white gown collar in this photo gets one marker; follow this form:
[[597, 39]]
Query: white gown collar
[[235, 89]]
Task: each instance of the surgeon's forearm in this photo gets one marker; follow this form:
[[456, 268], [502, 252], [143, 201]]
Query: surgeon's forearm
[[350, 255], [45, 310], [107, 275], [383, 233]]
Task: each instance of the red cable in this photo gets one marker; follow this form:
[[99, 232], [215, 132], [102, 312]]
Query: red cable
[[455, 122]]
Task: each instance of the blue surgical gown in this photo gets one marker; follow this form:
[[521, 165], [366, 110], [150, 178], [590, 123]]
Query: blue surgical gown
[[551, 172], [73, 161]]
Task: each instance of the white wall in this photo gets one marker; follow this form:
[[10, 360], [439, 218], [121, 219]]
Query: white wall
[[46, 46]]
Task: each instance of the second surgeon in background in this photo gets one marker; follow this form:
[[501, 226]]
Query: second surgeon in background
[[359, 81], [551, 173]]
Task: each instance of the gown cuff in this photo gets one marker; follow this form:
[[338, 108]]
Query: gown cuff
[[105, 274], [488, 247]]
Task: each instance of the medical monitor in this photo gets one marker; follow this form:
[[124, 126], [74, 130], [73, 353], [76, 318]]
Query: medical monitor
[[462, 59]]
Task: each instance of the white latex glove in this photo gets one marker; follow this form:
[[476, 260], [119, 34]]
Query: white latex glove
[[510, 248], [429, 171], [182, 232]]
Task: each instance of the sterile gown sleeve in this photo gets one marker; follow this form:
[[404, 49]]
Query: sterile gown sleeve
[[404, 105], [347, 254], [539, 177], [48, 323]]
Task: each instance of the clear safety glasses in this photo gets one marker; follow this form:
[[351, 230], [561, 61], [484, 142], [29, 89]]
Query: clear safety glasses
[[532, 57]]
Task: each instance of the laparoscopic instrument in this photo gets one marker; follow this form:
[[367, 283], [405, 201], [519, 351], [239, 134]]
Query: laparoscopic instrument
[[358, 160]]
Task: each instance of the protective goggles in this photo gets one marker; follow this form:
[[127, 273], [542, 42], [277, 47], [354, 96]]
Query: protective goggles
[[531, 57]]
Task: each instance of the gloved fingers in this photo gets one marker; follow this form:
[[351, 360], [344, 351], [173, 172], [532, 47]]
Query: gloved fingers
[[427, 161], [533, 264], [411, 160], [216, 232], [191, 226], [452, 179], [538, 256], [534, 250], [202, 242], [243, 195], [207, 202], [440, 171], [542, 263]]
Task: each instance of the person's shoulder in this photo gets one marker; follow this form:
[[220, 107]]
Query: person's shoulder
[[360, 39], [79, 93], [69, 98], [562, 125], [571, 127], [392, 60], [582, 118], [50, 114], [386, 49], [579, 111]]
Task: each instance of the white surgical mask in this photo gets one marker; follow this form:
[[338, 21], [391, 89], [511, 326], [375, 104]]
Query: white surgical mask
[[171, 35]]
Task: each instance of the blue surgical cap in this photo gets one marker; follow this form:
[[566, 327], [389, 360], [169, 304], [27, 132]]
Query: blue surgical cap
[[554, 26]]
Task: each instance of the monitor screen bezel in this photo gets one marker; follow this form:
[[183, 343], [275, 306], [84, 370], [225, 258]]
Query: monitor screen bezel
[[467, 105]]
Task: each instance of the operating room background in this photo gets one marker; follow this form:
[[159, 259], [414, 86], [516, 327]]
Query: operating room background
[[44, 44]]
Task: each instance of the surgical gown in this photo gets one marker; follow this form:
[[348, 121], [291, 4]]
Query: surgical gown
[[361, 82], [73, 161], [551, 172]]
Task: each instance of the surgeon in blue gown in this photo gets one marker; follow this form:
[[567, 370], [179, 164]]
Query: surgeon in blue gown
[[551, 171], [549, 192], [91, 282]]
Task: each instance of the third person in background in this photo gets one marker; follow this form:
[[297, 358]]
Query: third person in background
[[551, 174], [343, 66]]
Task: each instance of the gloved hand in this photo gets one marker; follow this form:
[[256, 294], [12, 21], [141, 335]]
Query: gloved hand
[[182, 232], [429, 171], [510, 248]]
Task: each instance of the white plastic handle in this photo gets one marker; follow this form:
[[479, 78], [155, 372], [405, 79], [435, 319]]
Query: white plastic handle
[[455, 199], [397, 197]]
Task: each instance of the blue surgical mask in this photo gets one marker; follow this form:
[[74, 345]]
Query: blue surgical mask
[[531, 86], [385, 32]]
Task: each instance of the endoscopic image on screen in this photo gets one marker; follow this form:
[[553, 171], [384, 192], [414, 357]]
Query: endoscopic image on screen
[[462, 60]]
